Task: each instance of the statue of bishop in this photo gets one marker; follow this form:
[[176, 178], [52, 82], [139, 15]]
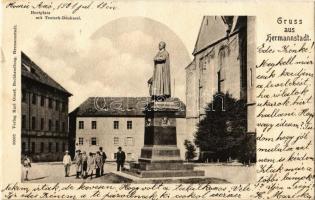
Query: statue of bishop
[[160, 83]]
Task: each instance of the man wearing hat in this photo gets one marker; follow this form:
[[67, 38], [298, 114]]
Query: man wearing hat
[[120, 159], [67, 163], [103, 154], [78, 162]]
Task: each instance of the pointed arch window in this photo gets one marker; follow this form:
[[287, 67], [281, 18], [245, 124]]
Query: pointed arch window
[[223, 54]]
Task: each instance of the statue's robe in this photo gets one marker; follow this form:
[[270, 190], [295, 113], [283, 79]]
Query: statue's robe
[[161, 83]]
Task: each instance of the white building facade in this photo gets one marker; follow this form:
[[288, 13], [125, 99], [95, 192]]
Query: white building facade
[[112, 122]]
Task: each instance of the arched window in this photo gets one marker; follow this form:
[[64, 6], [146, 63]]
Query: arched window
[[223, 53], [218, 103]]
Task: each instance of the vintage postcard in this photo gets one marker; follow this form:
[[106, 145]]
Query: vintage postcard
[[156, 100]]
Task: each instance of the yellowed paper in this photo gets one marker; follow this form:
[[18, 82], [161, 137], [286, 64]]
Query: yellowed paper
[[235, 80]]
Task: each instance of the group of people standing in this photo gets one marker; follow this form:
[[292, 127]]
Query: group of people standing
[[87, 165]]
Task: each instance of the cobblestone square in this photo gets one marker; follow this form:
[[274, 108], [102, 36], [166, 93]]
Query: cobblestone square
[[53, 172]]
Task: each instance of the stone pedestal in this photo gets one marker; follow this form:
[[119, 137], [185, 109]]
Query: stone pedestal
[[160, 156]]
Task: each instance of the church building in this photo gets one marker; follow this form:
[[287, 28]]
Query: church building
[[224, 61]]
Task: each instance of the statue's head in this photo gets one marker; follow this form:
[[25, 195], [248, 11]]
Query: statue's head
[[162, 45]]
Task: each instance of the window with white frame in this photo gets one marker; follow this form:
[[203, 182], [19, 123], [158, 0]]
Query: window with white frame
[[116, 124], [81, 141], [116, 140], [81, 124], [129, 141], [129, 124], [93, 125], [93, 141]]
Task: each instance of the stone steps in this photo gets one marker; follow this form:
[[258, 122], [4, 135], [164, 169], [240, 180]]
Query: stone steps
[[165, 166], [167, 173], [160, 156]]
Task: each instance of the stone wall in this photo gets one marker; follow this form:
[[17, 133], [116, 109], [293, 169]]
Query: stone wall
[[191, 91], [251, 71]]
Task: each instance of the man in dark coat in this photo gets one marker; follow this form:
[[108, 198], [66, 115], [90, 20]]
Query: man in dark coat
[[98, 163], [103, 154], [120, 159]]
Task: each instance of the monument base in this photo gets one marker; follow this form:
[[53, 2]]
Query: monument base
[[160, 156], [163, 169]]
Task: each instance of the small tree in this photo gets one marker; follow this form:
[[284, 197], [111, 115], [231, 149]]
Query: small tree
[[190, 150], [222, 132], [248, 149]]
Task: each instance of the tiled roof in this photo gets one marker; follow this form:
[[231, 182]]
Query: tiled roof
[[213, 29], [32, 71], [119, 107]]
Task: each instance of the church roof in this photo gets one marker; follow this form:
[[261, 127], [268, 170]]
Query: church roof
[[191, 65], [214, 28], [119, 107], [32, 71]]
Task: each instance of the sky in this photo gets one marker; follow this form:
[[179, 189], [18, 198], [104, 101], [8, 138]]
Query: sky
[[114, 60]]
